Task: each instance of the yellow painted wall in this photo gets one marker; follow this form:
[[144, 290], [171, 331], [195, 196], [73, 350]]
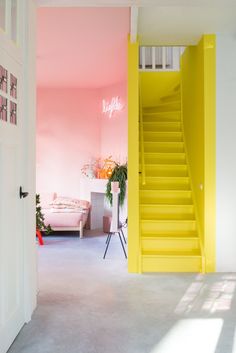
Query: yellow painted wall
[[156, 84], [193, 119], [198, 104], [133, 158]]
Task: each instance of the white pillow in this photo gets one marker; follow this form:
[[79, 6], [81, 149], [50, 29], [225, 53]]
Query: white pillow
[[69, 202]]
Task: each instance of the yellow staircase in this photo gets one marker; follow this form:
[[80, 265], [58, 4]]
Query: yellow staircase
[[169, 233]]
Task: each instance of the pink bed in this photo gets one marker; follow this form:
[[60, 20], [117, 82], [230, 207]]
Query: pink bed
[[66, 220], [63, 219]]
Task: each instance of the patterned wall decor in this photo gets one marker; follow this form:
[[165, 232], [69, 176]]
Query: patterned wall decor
[[8, 96], [13, 86], [3, 108], [3, 79], [13, 113]]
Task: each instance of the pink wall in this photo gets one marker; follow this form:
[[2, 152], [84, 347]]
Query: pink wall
[[81, 46], [68, 135], [71, 129], [114, 129]]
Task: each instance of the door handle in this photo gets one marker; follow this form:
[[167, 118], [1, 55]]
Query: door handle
[[22, 193]]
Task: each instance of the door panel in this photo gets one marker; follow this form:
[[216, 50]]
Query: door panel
[[11, 207]]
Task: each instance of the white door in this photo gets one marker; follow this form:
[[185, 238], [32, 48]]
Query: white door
[[16, 243], [11, 206]]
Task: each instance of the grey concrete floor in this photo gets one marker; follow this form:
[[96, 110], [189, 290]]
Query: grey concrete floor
[[90, 305]]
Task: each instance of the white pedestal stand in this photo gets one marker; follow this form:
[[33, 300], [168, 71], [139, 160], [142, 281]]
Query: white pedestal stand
[[115, 229]]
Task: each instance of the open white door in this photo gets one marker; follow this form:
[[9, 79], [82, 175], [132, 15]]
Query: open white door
[[11, 206], [14, 165]]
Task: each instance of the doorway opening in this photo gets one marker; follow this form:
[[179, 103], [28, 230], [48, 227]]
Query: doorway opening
[[81, 116]]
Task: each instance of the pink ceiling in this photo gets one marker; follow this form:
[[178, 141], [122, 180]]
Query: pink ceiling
[[82, 47]]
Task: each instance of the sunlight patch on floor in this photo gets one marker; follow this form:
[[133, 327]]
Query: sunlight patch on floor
[[220, 296], [213, 298], [191, 335], [186, 304]]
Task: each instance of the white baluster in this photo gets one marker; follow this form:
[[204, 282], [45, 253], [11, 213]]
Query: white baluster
[[143, 58], [163, 58], [153, 58]]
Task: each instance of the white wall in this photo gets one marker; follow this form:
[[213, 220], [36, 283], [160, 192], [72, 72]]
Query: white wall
[[226, 153]]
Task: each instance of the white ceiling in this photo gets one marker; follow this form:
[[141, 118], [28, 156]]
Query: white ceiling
[[184, 25]]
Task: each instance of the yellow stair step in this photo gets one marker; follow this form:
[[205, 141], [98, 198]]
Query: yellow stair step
[[150, 136], [162, 126], [179, 234], [168, 212], [161, 147], [169, 244], [168, 106], [171, 262], [166, 170], [173, 197], [165, 183], [162, 116], [167, 227], [196, 253], [164, 158]]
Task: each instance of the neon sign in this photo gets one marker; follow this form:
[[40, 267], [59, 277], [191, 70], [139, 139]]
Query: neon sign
[[112, 106]]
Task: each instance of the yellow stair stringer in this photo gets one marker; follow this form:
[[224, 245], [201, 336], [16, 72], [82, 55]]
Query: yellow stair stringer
[[200, 235]]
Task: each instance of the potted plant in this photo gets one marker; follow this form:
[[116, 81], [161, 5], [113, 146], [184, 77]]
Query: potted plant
[[119, 174], [40, 225]]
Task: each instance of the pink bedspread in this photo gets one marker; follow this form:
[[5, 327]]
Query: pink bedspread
[[64, 219]]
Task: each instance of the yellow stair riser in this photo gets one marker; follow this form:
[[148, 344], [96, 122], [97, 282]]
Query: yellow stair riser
[[162, 126], [161, 147], [170, 264], [167, 212], [166, 183], [163, 116], [166, 170], [164, 158], [172, 136], [172, 106], [167, 244], [166, 200], [169, 197], [167, 227]]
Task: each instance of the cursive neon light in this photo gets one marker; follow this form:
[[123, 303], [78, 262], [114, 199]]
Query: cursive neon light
[[112, 106]]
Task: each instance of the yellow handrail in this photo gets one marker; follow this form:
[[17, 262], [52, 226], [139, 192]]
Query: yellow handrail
[[141, 138]]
